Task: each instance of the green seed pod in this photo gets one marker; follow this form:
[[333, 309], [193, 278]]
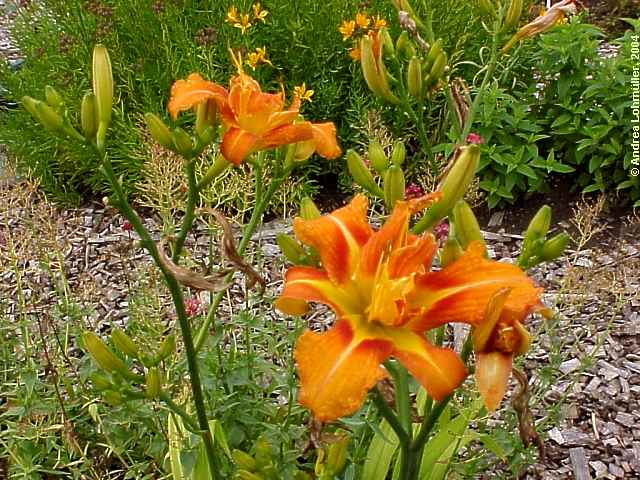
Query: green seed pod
[[512, 18], [308, 209], [89, 116], [291, 249], [100, 381], [399, 153], [414, 78], [123, 342], [167, 347], [453, 187], [159, 130], [243, 460], [361, 174], [52, 97], [153, 383], [102, 355], [554, 247], [450, 252], [102, 83], [394, 186], [50, 119], [377, 158], [487, 8], [182, 142], [466, 225]]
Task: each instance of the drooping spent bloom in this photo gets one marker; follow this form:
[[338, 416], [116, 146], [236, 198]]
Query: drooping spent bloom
[[385, 297], [253, 120], [555, 15]]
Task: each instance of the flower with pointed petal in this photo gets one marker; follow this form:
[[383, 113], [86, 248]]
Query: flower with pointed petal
[[258, 12], [347, 28], [385, 298], [363, 20]]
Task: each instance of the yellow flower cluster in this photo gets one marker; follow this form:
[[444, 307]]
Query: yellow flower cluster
[[302, 93], [362, 24], [257, 57], [244, 21]]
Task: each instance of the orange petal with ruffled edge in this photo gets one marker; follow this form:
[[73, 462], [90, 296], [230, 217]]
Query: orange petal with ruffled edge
[[492, 377], [460, 292], [309, 284], [186, 94], [338, 237], [412, 258], [439, 370], [337, 369], [237, 144], [286, 134], [326, 143], [253, 108]]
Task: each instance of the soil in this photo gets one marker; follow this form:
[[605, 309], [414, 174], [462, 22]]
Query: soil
[[607, 14]]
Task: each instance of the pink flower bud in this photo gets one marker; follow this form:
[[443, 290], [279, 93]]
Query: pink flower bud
[[192, 306], [475, 139]]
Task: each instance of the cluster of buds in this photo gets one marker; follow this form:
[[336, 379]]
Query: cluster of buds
[[118, 382], [291, 248], [260, 465], [380, 169], [536, 247]]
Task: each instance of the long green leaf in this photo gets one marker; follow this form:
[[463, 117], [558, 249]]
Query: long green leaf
[[380, 453]]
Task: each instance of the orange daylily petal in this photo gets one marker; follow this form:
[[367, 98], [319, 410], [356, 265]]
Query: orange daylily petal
[[287, 134], [483, 332], [326, 144], [461, 291], [237, 144], [406, 260], [312, 285], [186, 94], [492, 377], [337, 237], [337, 369]]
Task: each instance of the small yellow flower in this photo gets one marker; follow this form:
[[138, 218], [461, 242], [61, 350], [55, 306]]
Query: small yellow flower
[[258, 12], [232, 15], [355, 53], [347, 28], [302, 93], [362, 20], [379, 23], [243, 23], [259, 56]]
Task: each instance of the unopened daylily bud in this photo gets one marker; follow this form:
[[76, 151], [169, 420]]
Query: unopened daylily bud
[[30, 105], [414, 78], [399, 153], [89, 116], [123, 342], [394, 185], [388, 50], [167, 347], [453, 187], [206, 115], [377, 157], [308, 209], [159, 130], [337, 455], [290, 248], [554, 247], [361, 173], [450, 252], [100, 381], [243, 460], [182, 142], [436, 72], [205, 138], [102, 83], [434, 52], [373, 69], [540, 223], [487, 7], [153, 384], [534, 238], [404, 46], [52, 97], [512, 18], [263, 452], [50, 119], [102, 355], [466, 225]]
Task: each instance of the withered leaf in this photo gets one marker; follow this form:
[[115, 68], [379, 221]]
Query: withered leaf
[[520, 404], [212, 283]]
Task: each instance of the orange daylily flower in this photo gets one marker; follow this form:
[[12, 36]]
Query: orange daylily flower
[[253, 120], [385, 298], [555, 15]]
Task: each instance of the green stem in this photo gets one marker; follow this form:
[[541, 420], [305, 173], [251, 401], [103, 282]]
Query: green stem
[[189, 214], [403, 401], [176, 294], [178, 410], [391, 418]]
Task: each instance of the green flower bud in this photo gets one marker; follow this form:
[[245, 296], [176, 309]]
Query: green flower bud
[[437, 70], [206, 117], [374, 71], [394, 186], [388, 50], [414, 78], [246, 475], [337, 455], [554, 247], [159, 130], [113, 398], [451, 251], [124, 343], [405, 47], [308, 209], [52, 97], [104, 357], [243, 460], [182, 143], [361, 174], [263, 453], [89, 116], [540, 223], [399, 153], [453, 187], [377, 158], [487, 8], [167, 347], [434, 52], [102, 83], [291, 249], [512, 18], [30, 105], [466, 225], [153, 383], [50, 119]]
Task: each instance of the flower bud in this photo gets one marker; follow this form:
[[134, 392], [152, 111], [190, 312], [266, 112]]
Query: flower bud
[[540, 223], [219, 165], [337, 455], [453, 187], [377, 157], [52, 97], [124, 343], [100, 381], [361, 174], [554, 247], [450, 252], [102, 355], [49, 118], [89, 116], [291, 249], [308, 209], [487, 8], [404, 46], [153, 384], [512, 18], [388, 50], [159, 130], [373, 69], [436, 72], [182, 142], [394, 186], [263, 453], [466, 225], [102, 83], [243, 460], [206, 116], [29, 104], [414, 78], [399, 153], [434, 52], [167, 347]]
